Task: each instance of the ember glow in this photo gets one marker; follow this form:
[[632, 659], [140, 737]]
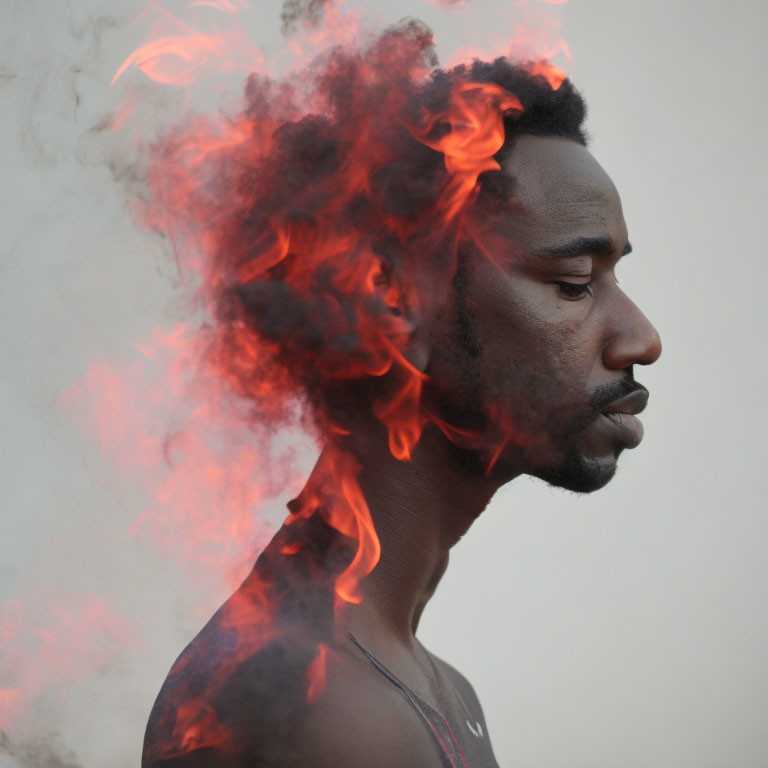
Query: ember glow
[[305, 226]]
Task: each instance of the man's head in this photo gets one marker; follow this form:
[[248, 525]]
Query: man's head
[[423, 249]]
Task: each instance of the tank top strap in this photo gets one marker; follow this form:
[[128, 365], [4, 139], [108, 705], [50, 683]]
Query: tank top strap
[[448, 747]]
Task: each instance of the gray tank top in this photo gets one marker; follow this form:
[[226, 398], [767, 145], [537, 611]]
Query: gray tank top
[[464, 747]]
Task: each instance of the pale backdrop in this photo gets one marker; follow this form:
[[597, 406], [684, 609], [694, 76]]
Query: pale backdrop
[[628, 628]]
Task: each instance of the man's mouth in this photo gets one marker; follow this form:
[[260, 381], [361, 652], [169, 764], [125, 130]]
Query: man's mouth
[[630, 404], [621, 414]]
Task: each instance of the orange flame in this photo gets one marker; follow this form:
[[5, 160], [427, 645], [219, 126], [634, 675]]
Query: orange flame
[[553, 74], [346, 511], [197, 726], [477, 134], [316, 674]]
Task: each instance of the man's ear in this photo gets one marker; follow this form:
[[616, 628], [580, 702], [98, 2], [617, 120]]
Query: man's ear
[[403, 320]]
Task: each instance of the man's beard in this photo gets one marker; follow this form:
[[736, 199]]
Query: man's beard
[[579, 473], [546, 409], [584, 474], [550, 412]]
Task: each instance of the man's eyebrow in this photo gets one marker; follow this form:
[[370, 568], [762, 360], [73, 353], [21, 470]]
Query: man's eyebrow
[[581, 246]]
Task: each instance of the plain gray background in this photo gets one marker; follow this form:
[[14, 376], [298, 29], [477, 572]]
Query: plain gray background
[[627, 628]]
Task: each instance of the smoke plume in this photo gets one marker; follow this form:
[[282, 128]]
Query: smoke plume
[[295, 11]]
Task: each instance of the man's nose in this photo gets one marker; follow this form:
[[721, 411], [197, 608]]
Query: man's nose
[[632, 339]]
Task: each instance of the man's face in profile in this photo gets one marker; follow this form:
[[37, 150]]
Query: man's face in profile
[[548, 339]]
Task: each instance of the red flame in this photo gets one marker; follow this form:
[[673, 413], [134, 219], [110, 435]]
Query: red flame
[[316, 674], [476, 135], [287, 221], [554, 75], [197, 726]]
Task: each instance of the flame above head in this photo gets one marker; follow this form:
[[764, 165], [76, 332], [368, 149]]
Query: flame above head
[[554, 75]]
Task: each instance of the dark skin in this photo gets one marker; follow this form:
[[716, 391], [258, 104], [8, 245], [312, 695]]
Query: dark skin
[[552, 342]]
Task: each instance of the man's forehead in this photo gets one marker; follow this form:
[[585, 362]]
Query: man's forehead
[[559, 186]]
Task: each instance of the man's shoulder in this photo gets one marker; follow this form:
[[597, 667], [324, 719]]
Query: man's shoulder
[[459, 682], [291, 702], [362, 720], [456, 677]]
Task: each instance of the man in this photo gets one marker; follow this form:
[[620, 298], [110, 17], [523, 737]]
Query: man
[[520, 361]]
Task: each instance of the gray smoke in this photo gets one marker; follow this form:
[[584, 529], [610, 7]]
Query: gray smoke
[[39, 753], [295, 11]]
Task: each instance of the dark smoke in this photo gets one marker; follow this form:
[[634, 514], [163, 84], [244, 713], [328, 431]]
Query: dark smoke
[[39, 753], [295, 11]]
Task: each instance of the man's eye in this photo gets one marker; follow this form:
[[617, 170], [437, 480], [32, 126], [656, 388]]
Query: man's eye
[[573, 290]]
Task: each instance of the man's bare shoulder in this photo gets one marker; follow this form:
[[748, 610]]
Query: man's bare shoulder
[[261, 711]]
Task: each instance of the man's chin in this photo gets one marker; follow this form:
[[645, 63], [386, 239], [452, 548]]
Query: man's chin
[[579, 474]]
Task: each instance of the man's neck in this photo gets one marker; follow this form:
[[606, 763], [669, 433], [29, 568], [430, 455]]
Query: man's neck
[[420, 509]]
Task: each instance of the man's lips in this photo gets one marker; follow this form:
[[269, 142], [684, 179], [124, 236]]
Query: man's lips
[[621, 415], [631, 404]]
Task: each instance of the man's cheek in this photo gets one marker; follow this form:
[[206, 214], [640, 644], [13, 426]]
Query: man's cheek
[[551, 406]]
